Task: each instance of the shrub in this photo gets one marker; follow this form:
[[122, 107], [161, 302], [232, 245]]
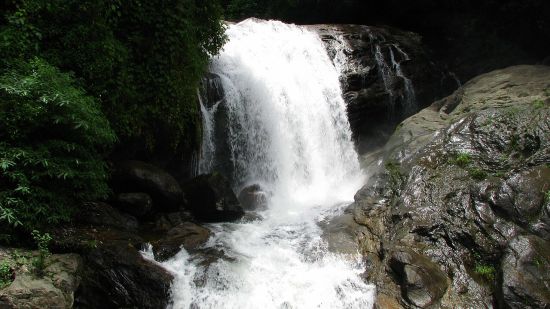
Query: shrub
[[52, 140], [486, 271], [42, 242], [462, 160], [477, 174], [5, 274]]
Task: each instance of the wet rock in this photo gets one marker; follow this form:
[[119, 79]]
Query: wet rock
[[54, 290], [526, 273], [102, 214], [117, 276], [137, 176], [454, 184], [211, 199], [421, 280], [166, 221], [135, 204], [386, 75], [187, 235], [253, 198]]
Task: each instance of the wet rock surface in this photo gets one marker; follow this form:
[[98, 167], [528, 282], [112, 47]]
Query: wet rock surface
[[135, 204], [211, 199], [114, 274], [187, 235], [117, 276], [387, 75], [455, 211], [253, 198], [165, 190]]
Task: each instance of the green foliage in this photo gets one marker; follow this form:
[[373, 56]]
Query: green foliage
[[547, 196], [538, 104], [52, 137], [462, 159], [396, 177], [42, 242], [486, 271], [5, 274], [465, 161], [141, 59], [477, 173]]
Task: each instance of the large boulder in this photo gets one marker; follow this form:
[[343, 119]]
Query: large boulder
[[253, 198], [454, 185], [136, 204], [114, 273], [211, 199], [55, 289], [103, 214], [117, 276], [187, 235], [137, 176]]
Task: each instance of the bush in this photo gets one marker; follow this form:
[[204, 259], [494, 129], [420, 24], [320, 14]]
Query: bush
[[42, 242], [5, 274], [52, 140], [462, 159], [485, 271]]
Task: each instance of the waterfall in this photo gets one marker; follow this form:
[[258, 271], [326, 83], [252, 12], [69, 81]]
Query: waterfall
[[390, 72], [287, 130]]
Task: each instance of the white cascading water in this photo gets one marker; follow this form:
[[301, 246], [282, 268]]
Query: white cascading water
[[288, 132]]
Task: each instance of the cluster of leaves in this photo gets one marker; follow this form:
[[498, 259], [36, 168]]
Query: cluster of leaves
[[5, 274], [465, 161], [52, 140], [43, 242], [485, 271]]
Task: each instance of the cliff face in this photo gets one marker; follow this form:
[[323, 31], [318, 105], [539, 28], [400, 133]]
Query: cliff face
[[456, 212], [387, 75]]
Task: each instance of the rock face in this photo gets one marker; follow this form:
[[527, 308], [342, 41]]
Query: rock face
[[114, 273], [387, 75], [136, 204], [211, 199], [117, 276], [137, 176], [55, 289], [253, 198], [456, 210], [187, 235]]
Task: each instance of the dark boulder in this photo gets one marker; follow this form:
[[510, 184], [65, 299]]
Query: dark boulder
[[187, 235], [117, 276], [136, 204], [137, 176], [102, 214], [211, 199], [165, 221], [253, 198]]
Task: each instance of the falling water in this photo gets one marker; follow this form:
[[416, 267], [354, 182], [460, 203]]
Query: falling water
[[288, 132]]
